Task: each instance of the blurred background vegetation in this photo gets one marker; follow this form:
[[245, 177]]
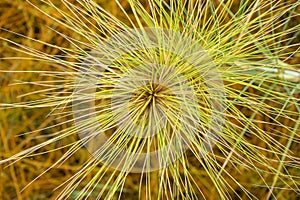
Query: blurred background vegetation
[[20, 17]]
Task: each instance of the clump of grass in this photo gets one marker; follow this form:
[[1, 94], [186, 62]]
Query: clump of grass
[[210, 78]]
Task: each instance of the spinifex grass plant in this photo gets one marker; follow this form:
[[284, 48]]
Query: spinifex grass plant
[[190, 95]]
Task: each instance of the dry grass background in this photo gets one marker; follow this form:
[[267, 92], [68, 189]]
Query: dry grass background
[[20, 17]]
